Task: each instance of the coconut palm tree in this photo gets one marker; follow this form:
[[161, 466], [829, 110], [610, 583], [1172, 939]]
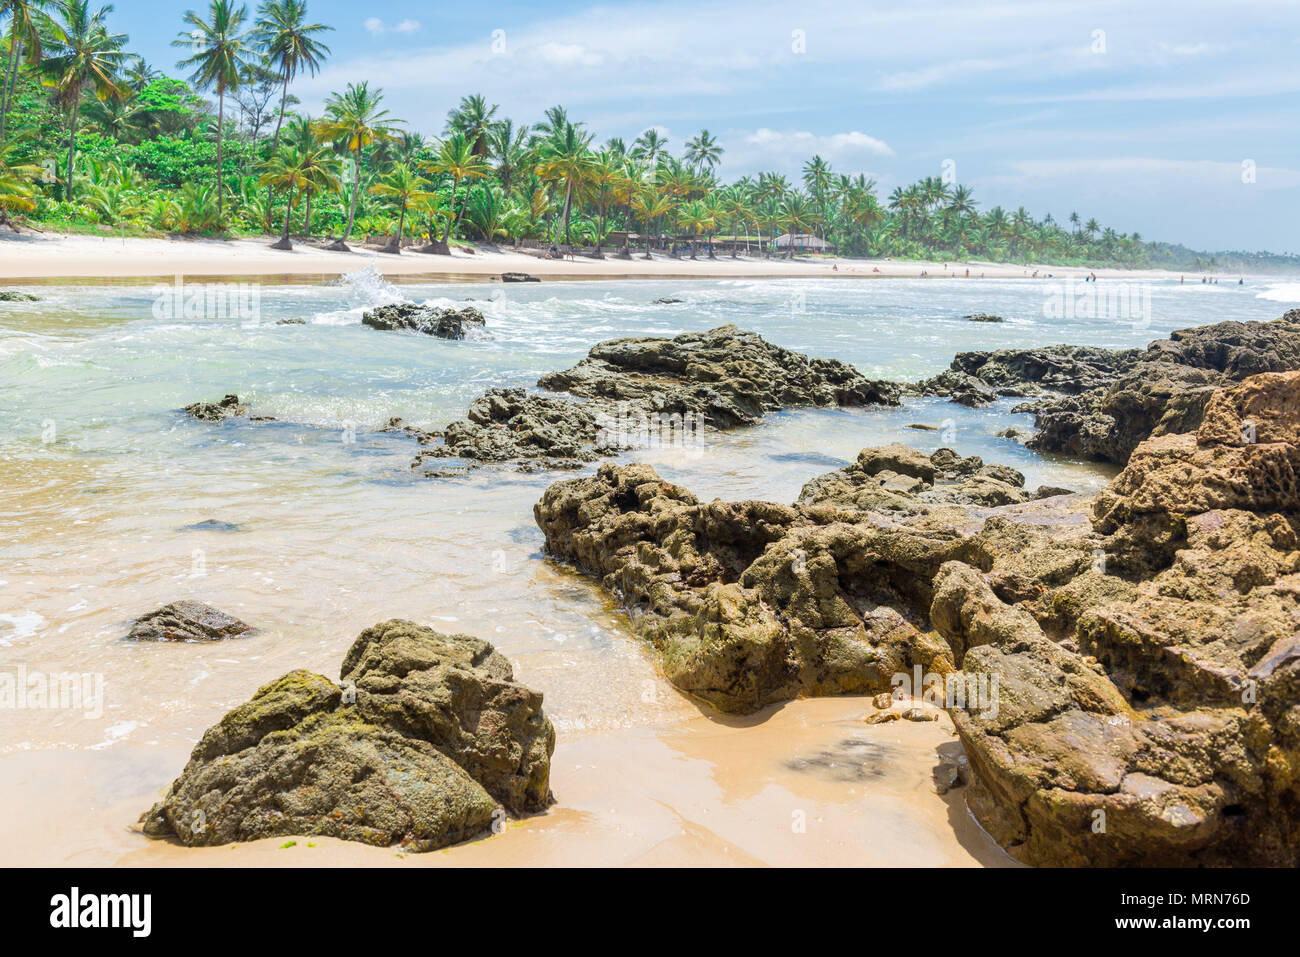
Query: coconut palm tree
[[649, 146], [354, 121], [290, 46], [83, 56], [221, 58], [455, 158], [17, 182], [286, 169], [404, 186], [702, 150], [25, 20], [564, 158], [509, 145], [652, 206], [472, 118], [320, 164]]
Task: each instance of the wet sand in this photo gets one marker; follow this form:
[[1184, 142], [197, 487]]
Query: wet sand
[[804, 784]]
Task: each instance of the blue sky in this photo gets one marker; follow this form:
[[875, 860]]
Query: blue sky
[[1140, 114]]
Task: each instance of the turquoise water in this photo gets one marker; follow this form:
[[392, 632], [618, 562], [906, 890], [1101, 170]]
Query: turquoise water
[[103, 476]]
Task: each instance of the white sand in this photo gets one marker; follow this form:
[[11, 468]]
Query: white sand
[[51, 255]]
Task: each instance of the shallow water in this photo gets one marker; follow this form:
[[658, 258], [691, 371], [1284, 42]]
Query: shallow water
[[329, 530]]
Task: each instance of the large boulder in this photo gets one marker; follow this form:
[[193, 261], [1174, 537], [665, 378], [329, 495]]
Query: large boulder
[[1102, 403], [425, 739]]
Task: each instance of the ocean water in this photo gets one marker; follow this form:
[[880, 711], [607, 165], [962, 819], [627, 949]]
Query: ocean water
[[316, 525]]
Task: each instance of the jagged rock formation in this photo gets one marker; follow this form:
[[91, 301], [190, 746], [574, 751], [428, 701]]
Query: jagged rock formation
[[425, 737], [634, 392], [1114, 399], [754, 602], [1140, 649]]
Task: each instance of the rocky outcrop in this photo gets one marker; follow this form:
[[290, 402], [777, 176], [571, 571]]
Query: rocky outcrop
[[1162, 726], [430, 320], [1101, 403], [982, 317], [422, 743], [518, 277], [1124, 673], [8, 295], [754, 602], [647, 392], [187, 620]]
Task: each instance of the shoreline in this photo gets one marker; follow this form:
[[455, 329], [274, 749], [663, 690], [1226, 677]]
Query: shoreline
[[45, 259]]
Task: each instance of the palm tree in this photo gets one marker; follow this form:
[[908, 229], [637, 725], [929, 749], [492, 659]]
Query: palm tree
[[17, 183], [354, 121], [286, 169], [455, 158], [473, 119], [220, 60], [649, 146], [405, 186], [319, 163], [651, 205], [290, 45], [430, 206], [25, 18], [564, 157], [84, 56], [508, 144], [703, 151], [140, 74]]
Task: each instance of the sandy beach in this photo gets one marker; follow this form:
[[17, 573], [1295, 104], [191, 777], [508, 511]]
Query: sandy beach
[[47, 256]]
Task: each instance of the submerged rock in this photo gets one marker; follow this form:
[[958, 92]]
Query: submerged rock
[[424, 741], [228, 407], [982, 317], [187, 620], [518, 277], [647, 392], [8, 295], [430, 320]]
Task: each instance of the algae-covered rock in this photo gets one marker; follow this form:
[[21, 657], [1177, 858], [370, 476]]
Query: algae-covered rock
[[1162, 725], [430, 320], [648, 392], [749, 603], [424, 739], [226, 408]]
